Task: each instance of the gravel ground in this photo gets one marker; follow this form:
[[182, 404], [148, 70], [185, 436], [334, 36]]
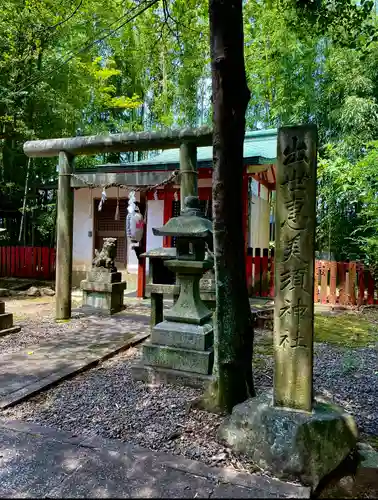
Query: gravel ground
[[37, 321], [107, 401], [349, 377], [33, 332]]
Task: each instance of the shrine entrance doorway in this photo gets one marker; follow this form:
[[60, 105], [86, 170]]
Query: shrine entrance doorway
[[105, 226]]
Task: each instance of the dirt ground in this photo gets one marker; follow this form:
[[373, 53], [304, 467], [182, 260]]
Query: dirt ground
[[31, 308]]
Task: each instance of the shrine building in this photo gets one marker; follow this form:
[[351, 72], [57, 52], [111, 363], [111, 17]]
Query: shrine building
[[92, 225]]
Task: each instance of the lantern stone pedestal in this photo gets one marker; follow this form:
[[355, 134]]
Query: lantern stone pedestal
[[6, 322], [184, 340], [181, 347], [103, 289]]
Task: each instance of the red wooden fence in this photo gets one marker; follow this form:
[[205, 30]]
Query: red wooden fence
[[344, 283], [27, 262]]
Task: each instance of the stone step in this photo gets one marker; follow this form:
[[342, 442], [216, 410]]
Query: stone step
[[183, 335], [2, 307], [6, 321], [8, 331], [158, 375], [178, 359]]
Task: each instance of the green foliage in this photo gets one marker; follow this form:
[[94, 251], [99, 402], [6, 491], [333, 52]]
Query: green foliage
[[306, 61], [348, 204], [57, 78], [45, 221], [302, 69]]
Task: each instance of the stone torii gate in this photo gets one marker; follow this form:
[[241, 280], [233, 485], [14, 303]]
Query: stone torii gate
[[68, 148]]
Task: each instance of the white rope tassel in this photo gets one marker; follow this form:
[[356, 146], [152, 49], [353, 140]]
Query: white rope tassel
[[103, 199], [156, 197], [117, 217]]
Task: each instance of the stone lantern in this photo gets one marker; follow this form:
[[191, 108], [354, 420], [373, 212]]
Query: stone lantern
[[181, 346], [191, 231]]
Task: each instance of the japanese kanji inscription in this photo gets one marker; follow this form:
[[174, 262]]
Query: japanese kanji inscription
[[295, 234]]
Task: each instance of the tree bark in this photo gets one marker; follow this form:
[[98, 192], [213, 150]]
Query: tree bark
[[230, 96]]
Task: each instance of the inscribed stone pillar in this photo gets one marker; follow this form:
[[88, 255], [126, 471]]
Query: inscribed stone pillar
[[64, 229], [294, 280]]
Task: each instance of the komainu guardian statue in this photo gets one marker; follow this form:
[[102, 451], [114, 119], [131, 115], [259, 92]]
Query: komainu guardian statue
[[106, 256]]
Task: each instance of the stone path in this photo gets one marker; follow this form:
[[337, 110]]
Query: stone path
[[40, 462], [28, 371]]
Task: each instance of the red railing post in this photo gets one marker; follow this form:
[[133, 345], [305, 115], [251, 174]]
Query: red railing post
[[248, 268], [21, 256], [52, 263], [324, 282], [342, 278], [316, 281], [332, 283], [352, 283], [3, 260], [264, 274], [29, 262], [361, 283], [371, 285], [8, 271], [271, 274], [257, 273]]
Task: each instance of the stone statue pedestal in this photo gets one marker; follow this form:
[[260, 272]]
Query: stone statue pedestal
[[181, 347], [6, 322], [103, 291], [291, 444]]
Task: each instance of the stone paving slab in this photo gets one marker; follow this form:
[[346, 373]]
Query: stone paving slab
[[34, 368], [38, 461]]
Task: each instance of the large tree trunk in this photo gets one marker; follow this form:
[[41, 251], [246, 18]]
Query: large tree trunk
[[233, 324]]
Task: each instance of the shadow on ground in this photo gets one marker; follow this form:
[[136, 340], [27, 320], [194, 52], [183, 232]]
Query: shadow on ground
[[37, 461]]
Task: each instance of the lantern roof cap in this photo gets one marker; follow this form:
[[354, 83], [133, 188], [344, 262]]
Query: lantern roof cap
[[161, 252], [189, 224]]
